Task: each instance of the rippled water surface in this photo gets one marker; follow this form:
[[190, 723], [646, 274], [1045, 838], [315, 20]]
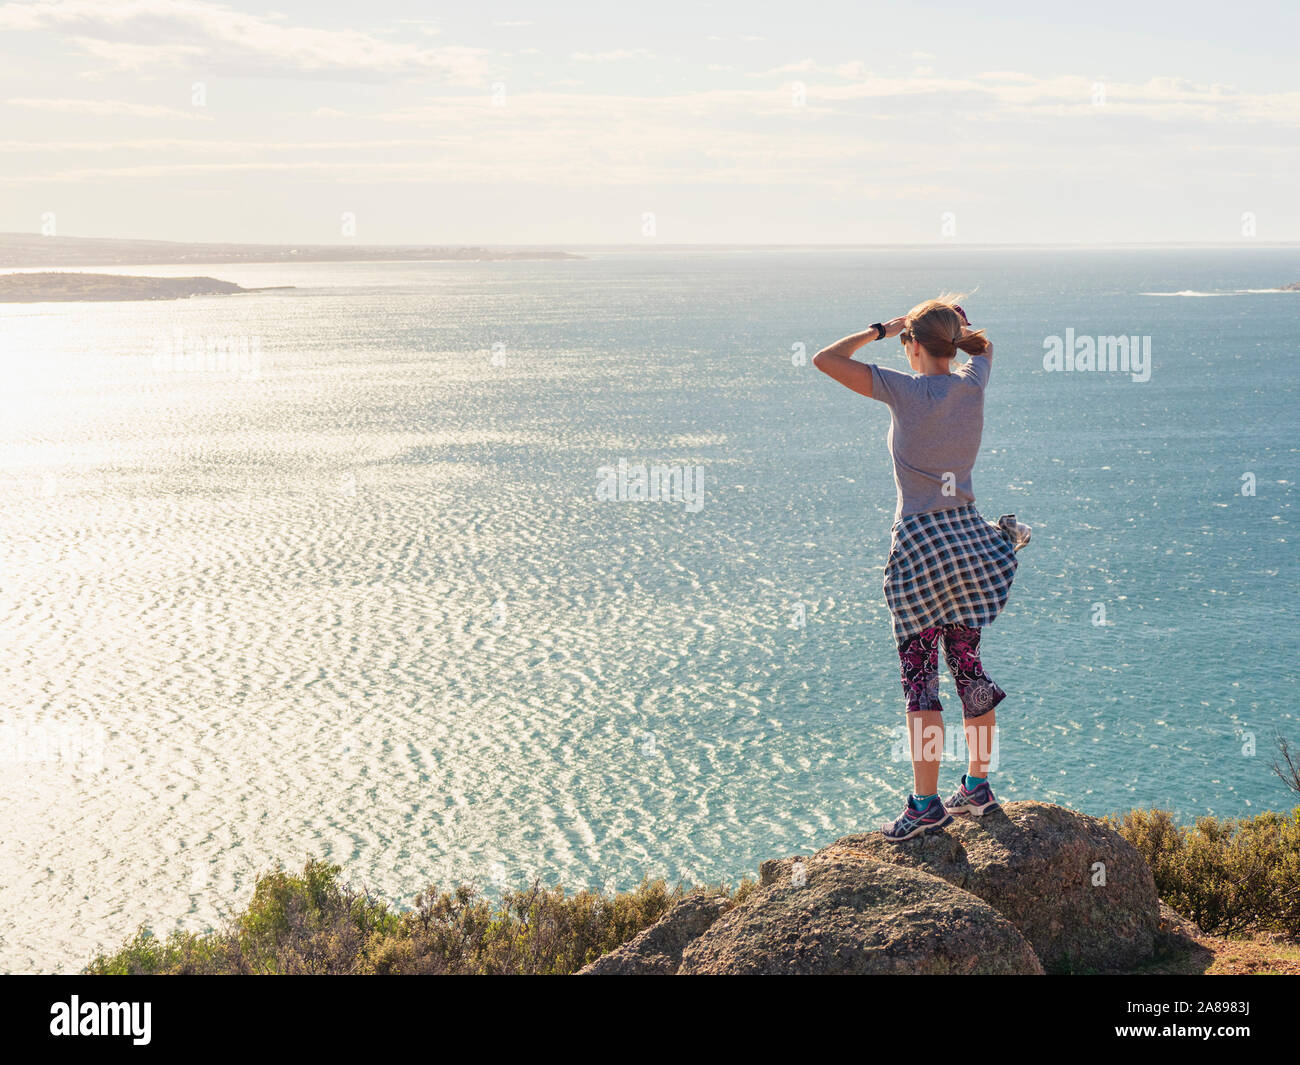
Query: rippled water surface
[[353, 594]]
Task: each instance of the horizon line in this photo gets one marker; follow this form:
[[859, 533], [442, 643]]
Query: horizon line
[[676, 245]]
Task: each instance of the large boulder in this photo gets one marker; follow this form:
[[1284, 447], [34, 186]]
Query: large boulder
[[657, 951], [850, 913], [1078, 891]]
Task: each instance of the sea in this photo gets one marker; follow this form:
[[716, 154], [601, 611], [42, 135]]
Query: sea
[[570, 570]]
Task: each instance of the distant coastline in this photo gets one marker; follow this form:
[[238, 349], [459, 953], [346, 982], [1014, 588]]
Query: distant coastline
[[33, 250], [53, 287]]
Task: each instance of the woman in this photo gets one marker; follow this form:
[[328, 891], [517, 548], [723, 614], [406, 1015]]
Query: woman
[[949, 571]]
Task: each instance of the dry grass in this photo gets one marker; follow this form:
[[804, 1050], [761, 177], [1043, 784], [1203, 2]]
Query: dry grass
[[1183, 949]]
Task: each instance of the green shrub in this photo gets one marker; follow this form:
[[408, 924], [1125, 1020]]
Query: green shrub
[[145, 953], [312, 923], [1232, 877]]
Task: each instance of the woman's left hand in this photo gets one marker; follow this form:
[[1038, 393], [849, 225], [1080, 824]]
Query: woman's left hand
[[894, 326]]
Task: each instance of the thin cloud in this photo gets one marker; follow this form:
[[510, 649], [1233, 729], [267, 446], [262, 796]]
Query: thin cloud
[[103, 108], [618, 55], [747, 135], [853, 69], [240, 148], [145, 35]]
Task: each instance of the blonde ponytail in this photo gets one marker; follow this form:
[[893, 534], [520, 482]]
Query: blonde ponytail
[[940, 327], [972, 342]]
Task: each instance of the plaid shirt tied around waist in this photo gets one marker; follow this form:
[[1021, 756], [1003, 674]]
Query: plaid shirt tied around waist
[[948, 567]]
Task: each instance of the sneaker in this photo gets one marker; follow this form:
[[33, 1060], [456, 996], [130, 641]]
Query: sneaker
[[929, 818], [1018, 531], [975, 802]]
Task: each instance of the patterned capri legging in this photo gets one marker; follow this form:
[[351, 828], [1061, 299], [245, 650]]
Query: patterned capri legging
[[919, 655]]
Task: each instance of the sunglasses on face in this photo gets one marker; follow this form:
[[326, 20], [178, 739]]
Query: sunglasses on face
[[905, 337]]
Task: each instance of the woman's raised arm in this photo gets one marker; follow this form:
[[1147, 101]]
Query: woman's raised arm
[[836, 360]]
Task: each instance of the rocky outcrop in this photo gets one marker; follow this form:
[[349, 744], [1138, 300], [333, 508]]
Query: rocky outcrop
[[657, 951], [853, 914], [1025, 889], [1077, 890]]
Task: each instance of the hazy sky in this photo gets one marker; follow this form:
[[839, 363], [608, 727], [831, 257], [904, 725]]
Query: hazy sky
[[566, 123]]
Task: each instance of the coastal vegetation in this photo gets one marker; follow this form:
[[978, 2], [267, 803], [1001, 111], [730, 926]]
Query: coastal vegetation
[[1232, 877], [1237, 880], [314, 923], [47, 286]]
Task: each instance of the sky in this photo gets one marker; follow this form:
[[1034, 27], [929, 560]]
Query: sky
[[764, 123]]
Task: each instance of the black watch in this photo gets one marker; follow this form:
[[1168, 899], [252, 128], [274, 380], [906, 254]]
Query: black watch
[[880, 329]]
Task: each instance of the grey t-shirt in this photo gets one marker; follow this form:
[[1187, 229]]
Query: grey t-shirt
[[935, 426]]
